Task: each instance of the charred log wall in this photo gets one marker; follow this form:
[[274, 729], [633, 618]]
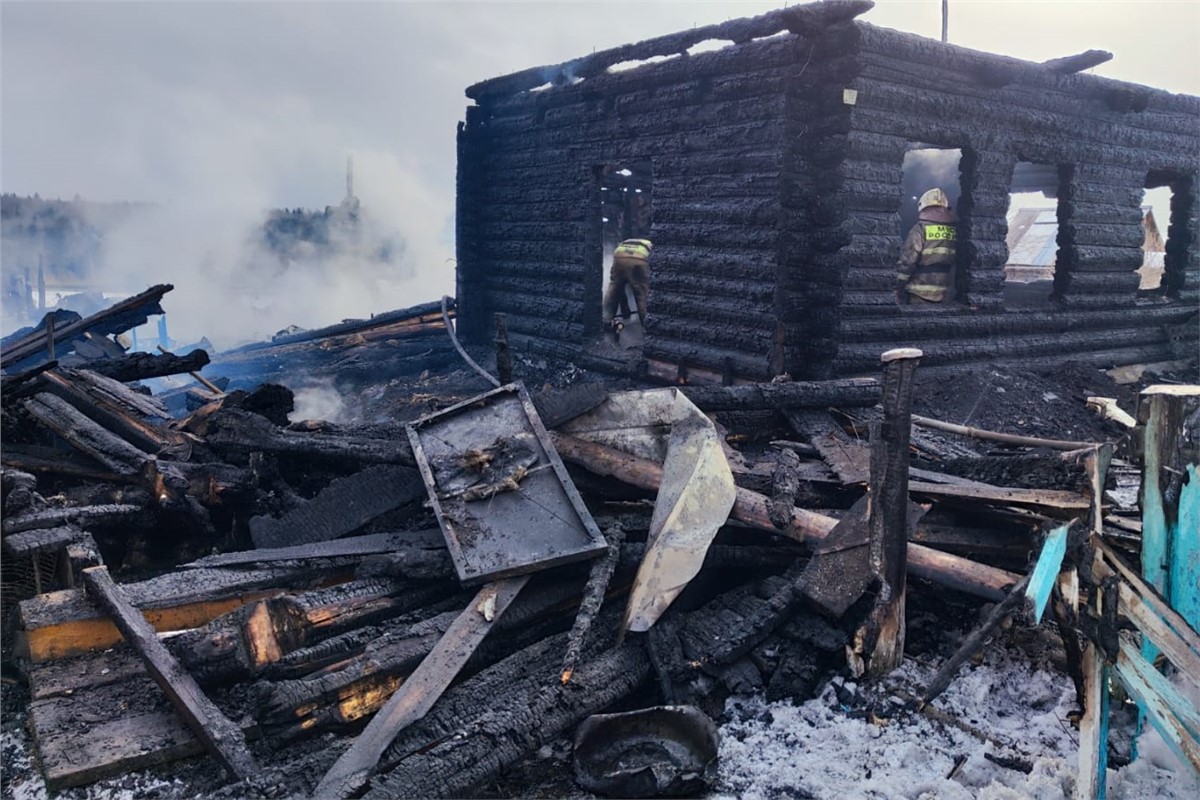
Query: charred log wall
[[1112, 139], [777, 167], [714, 127]]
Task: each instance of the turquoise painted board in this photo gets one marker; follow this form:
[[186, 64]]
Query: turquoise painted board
[[1045, 572], [1185, 558]]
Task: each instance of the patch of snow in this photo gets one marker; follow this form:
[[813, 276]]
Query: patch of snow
[[826, 748]]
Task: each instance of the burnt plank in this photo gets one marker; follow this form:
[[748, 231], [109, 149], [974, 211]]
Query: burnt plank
[[141, 366], [342, 507], [220, 736]]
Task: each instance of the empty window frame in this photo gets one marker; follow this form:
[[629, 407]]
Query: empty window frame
[[926, 167], [1168, 205], [1035, 213]]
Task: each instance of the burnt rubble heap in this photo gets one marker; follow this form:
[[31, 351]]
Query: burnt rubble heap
[[458, 575]]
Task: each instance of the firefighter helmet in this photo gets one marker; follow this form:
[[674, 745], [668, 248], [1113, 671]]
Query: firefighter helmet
[[934, 197]]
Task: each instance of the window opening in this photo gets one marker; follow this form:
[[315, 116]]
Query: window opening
[[1166, 209], [1035, 210], [626, 212], [924, 169]]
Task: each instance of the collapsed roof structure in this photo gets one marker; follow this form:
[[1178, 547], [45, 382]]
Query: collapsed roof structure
[[776, 169]]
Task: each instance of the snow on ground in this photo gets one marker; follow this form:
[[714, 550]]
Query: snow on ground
[[829, 748]]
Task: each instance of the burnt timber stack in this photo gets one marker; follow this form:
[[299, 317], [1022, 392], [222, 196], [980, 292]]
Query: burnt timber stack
[[777, 165]]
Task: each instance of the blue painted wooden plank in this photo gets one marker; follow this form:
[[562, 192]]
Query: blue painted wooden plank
[[1045, 572], [1185, 556], [1171, 714]]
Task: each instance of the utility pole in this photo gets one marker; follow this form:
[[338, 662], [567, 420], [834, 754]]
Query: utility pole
[[945, 20]]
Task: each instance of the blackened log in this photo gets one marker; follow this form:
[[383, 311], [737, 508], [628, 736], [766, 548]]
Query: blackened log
[[85, 435], [142, 366], [235, 430], [847, 392], [20, 491], [751, 508], [222, 738], [342, 507], [23, 382], [593, 597], [41, 540], [116, 417], [1078, 62], [244, 642], [425, 312], [454, 767], [81, 516], [115, 319], [785, 482], [807, 18]]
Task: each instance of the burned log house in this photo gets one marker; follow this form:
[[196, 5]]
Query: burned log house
[[775, 168]]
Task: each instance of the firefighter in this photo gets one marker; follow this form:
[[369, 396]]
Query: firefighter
[[630, 267], [927, 260]]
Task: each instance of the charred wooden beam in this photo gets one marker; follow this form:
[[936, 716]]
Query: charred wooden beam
[[222, 738], [1068, 65], [428, 540], [846, 392], [85, 435], [342, 507], [120, 418], [115, 319], [423, 313], [417, 695], [80, 516], [804, 18], [142, 366], [752, 509], [238, 431], [597, 587]]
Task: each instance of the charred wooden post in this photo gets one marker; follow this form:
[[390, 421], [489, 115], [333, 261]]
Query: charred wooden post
[[222, 738], [422, 689], [50, 338], [504, 365], [879, 642]]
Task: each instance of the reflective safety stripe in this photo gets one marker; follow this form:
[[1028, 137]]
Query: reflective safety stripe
[[632, 249], [901, 276], [943, 233], [938, 251], [927, 291]]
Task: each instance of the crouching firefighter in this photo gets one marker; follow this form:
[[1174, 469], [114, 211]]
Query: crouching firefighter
[[630, 267], [927, 260]]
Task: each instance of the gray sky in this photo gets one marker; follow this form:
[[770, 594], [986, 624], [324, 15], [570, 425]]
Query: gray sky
[[242, 106]]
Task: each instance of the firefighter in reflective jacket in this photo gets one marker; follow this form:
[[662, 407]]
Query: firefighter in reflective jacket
[[630, 267], [927, 261]]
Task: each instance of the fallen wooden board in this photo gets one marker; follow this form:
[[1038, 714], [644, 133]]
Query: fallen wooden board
[[342, 507], [371, 544], [118, 723], [1047, 498], [220, 736]]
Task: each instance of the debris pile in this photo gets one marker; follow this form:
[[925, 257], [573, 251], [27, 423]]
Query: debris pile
[[414, 607]]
